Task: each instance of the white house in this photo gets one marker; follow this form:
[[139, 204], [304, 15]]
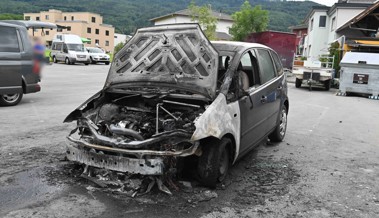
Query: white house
[[121, 38], [324, 21], [224, 21]]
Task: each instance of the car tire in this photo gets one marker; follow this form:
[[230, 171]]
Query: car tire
[[106, 63], [298, 83], [280, 130], [214, 163], [10, 99], [327, 84], [86, 64], [55, 59], [92, 61], [67, 61]]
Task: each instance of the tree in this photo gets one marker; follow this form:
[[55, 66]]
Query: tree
[[203, 15], [248, 20], [118, 47], [7, 16]]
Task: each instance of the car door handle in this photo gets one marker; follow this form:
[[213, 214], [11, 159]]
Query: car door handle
[[264, 99]]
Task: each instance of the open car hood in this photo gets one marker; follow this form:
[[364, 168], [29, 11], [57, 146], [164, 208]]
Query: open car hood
[[178, 56]]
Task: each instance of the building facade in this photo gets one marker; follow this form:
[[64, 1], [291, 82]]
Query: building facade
[[84, 24], [224, 21], [301, 32], [323, 23]]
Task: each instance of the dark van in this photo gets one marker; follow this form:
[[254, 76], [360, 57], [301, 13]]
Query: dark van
[[16, 61]]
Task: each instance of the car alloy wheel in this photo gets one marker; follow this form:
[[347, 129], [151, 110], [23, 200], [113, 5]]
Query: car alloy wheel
[[67, 61], [11, 98], [283, 122]]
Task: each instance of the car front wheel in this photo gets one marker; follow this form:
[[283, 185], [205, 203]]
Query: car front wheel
[[10, 99], [55, 60], [280, 131], [67, 61], [214, 163]]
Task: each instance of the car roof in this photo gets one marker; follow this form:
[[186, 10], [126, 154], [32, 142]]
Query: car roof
[[2, 23], [236, 46], [31, 24]]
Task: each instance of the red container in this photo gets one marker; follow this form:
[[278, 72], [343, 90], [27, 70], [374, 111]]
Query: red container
[[283, 43]]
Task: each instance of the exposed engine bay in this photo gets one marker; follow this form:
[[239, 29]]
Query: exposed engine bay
[[134, 132]]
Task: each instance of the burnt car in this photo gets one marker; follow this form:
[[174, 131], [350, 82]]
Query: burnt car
[[171, 95]]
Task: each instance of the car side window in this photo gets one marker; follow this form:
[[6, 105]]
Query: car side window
[[8, 39], [278, 63], [58, 47], [267, 70]]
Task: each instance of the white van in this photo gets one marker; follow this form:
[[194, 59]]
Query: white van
[[70, 49]]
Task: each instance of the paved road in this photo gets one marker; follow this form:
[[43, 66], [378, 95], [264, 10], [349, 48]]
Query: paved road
[[326, 167]]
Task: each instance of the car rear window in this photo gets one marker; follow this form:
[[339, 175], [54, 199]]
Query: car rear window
[[8, 39]]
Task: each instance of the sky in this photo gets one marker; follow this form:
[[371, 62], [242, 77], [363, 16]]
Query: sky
[[326, 2]]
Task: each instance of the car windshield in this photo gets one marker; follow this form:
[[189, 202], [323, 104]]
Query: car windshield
[[75, 47], [95, 50]]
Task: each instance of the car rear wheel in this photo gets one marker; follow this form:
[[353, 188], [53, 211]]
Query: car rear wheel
[[55, 59], [214, 163], [67, 61], [107, 63], [10, 99], [280, 131], [298, 83]]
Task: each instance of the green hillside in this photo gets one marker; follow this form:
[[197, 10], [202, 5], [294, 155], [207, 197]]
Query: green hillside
[[127, 15]]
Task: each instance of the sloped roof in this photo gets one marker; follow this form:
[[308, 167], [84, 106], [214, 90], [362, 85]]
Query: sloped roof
[[187, 13], [223, 36], [360, 16]]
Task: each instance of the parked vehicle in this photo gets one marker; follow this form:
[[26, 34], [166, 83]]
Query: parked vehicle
[[18, 72], [172, 94], [283, 43], [98, 56], [314, 73], [69, 48]]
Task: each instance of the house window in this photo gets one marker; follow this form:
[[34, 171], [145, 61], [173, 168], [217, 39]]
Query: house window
[[115, 37], [309, 50], [333, 23], [322, 22], [68, 28], [72, 17], [47, 33], [27, 17], [107, 32], [88, 30], [96, 41], [311, 25], [106, 43], [65, 18], [47, 17], [93, 19], [97, 31], [37, 18], [59, 30]]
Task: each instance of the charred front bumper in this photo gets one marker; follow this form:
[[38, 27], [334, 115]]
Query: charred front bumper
[[144, 162]]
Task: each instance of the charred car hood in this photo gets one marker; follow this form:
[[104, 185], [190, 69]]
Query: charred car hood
[[178, 56]]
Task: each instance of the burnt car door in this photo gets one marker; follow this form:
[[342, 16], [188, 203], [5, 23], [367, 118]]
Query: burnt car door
[[272, 87], [252, 106]]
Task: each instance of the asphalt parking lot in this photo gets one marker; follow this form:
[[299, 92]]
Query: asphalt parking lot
[[326, 167]]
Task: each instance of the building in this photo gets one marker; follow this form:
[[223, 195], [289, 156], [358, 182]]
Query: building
[[118, 38], [301, 32], [85, 24], [224, 21], [323, 23]]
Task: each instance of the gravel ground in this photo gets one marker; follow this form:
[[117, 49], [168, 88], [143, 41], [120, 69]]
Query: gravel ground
[[326, 167]]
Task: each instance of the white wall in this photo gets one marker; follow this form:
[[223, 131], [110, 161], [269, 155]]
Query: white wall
[[120, 38], [317, 43], [222, 25]]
